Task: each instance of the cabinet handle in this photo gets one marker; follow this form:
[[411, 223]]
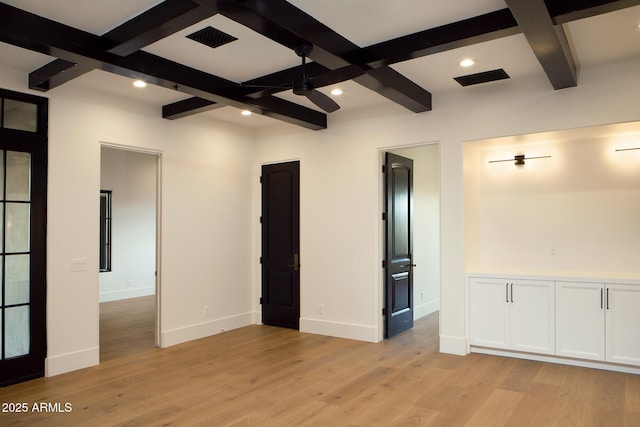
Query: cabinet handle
[[607, 298], [512, 292], [601, 298], [506, 292]]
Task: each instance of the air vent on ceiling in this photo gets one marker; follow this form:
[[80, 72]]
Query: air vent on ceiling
[[484, 77], [211, 37]]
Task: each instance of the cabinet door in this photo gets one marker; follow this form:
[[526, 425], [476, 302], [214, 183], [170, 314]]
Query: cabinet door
[[488, 313], [623, 324], [580, 320], [532, 316]]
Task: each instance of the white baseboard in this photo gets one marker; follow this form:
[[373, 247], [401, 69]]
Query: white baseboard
[[561, 360], [340, 330], [56, 365], [426, 309], [454, 345], [206, 329], [126, 294]]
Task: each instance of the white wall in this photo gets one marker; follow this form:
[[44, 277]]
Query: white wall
[[575, 212], [131, 177], [426, 227], [340, 236]]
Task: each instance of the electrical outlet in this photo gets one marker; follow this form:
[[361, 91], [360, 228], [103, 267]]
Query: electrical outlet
[[421, 295], [206, 311], [320, 308]]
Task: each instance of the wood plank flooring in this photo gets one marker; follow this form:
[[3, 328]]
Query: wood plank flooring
[[127, 327], [266, 376]]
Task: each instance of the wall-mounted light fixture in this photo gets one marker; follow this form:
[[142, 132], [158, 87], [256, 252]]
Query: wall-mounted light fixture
[[519, 159], [628, 149]]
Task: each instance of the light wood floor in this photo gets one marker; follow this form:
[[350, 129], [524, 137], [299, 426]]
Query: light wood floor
[[127, 327], [266, 376]]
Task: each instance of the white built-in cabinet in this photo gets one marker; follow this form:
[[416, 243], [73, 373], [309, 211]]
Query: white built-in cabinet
[[580, 330], [622, 324], [598, 321], [584, 320], [512, 314]]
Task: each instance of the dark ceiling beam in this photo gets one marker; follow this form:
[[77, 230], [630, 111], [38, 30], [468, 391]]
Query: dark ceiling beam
[[150, 26], [188, 107], [267, 85], [159, 22], [548, 41], [36, 33], [274, 83], [563, 11], [55, 73], [287, 25], [490, 26]]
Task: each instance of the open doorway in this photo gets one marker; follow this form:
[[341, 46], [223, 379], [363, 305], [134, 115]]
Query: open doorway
[[426, 228], [128, 292]]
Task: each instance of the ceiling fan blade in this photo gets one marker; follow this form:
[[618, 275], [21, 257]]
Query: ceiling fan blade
[[322, 101]]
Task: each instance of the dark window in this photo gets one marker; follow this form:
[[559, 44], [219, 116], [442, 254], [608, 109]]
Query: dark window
[[19, 115], [105, 230]]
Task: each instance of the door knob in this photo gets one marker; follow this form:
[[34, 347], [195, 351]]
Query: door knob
[[296, 262]]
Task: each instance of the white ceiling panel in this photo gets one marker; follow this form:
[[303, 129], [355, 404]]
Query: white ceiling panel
[[435, 73], [96, 17], [366, 22], [617, 36], [252, 55]]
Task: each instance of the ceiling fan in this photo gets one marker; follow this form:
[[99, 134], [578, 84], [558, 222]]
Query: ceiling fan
[[303, 85]]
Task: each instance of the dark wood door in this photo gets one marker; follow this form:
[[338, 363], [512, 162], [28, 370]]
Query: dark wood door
[[398, 244], [281, 244], [23, 198]]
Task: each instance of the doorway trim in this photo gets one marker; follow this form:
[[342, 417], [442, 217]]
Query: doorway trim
[[158, 254], [380, 235]]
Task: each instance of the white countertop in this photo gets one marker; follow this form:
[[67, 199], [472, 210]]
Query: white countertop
[[560, 276]]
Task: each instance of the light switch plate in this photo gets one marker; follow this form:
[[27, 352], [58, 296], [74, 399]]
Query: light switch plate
[[79, 264]]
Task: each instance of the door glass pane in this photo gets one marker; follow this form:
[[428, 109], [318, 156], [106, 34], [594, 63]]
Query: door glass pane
[[20, 115], [401, 209], [18, 176], [17, 227], [17, 279], [17, 331], [1, 174], [1, 227]]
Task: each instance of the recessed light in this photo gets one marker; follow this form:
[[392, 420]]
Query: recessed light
[[467, 62], [139, 83], [336, 92], [246, 113]]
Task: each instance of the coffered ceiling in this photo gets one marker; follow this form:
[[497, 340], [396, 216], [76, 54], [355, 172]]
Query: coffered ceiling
[[405, 52]]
